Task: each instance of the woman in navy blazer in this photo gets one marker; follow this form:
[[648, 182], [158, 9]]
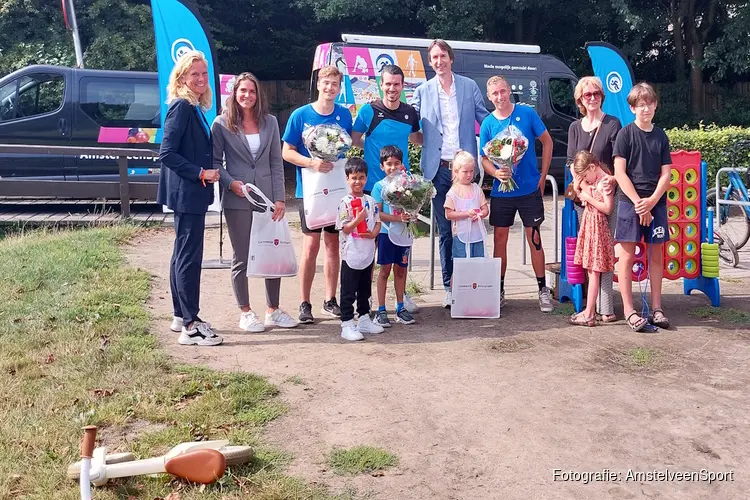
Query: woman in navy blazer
[[185, 187]]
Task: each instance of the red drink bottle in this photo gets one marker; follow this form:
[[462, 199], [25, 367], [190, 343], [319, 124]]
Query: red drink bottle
[[357, 207]]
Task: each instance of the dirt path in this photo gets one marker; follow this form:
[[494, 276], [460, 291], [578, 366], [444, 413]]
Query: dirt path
[[488, 409]]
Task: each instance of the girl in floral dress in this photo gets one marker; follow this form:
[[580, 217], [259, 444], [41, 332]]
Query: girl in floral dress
[[594, 249]]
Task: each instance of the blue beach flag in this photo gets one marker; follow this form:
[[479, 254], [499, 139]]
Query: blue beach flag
[[617, 78], [178, 28]]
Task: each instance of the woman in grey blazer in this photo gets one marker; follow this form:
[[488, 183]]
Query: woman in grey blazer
[[247, 149]]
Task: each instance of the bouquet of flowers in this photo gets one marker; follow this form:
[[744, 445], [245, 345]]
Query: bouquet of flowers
[[327, 142], [408, 193], [505, 150]]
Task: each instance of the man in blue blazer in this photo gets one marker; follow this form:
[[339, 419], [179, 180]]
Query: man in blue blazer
[[449, 105]]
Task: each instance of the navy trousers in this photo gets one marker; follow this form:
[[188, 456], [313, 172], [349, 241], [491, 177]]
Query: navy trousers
[[185, 266], [443, 182]]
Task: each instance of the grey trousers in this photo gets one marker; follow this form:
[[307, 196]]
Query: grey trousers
[[605, 303], [239, 223]]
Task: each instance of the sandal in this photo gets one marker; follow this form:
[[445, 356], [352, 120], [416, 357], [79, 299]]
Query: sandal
[[606, 318], [580, 320], [638, 325], [658, 319]]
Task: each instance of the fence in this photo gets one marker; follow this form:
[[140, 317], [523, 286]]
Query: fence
[[124, 188], [284, 96]]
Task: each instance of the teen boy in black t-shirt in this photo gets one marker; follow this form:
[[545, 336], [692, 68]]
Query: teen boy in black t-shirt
[[642, 168]]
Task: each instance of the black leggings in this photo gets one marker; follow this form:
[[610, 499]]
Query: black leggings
[[356, 284]]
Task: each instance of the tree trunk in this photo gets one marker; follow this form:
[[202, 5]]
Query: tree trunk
[[677, 36], [696, 77]]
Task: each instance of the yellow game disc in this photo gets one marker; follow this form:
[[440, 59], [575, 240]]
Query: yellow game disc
[[691, 230], [691, 248], [674, 231], [673, 212], [673, 267], [674, 177], [691, 176], [673, 249], [673, 195], [691, 212], [691, 266], [691, 194]]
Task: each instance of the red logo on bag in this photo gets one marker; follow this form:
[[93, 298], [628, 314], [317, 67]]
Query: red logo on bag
[[325, 191], [276, 242], [474, 286]]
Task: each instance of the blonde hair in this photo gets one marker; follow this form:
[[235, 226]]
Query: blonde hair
[[494, 80], [461, 159], [231, 108], [642, 91], [330, 71], [177, 89], [582, 84]]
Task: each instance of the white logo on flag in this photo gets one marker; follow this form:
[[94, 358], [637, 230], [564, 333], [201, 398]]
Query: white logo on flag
[[614, 82], [180, 47]]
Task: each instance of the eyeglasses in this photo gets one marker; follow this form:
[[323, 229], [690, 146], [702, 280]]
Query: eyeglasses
[[645, 106], [592, 95]]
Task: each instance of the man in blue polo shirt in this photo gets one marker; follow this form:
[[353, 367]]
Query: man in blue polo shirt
[[387, 122], [526, 199]]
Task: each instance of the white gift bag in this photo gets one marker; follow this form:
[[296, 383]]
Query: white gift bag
[[321, 194], [476, 287], [271, 251]]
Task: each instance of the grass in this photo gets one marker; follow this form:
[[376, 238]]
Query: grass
[[75, 349], [566, 309], [295, 380], [641, 356], [360, 459], [723, 314], [414, 288]]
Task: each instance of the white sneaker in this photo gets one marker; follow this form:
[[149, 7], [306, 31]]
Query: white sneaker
[[176, 325], [409, 305], [448, 300], [250, 322], [366, 325], [349, 331], [200, 334], [281, 319], [545, 300]]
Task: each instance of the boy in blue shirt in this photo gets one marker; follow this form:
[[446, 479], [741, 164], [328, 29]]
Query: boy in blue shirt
[[526, 199], [323, 111], [394, 242]]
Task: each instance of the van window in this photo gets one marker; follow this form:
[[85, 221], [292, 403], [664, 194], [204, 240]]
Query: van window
[[561, 95], [525, 89], [121, 103], [31, 95]]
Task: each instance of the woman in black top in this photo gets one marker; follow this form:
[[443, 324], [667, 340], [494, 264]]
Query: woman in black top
[[595, 132]]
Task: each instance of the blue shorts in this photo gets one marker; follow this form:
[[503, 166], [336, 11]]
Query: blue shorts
[[629, 229], [389, 253], [459, 248]]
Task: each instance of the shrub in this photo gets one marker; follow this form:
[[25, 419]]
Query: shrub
[[719, 146]]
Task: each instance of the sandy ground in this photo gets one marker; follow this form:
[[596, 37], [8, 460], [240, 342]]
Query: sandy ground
[[479, 409]]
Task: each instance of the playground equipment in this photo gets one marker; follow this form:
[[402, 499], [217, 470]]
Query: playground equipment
[[690, 253]]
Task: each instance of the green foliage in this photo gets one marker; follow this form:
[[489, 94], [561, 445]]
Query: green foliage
[[360, 459], [718, 145], [674, 109]]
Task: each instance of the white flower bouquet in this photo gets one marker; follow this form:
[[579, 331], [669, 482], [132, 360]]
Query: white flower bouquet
[[408, 193], [327, 142], [505, 150]]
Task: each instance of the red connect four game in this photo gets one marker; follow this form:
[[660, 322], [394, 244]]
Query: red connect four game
[[682, 251]]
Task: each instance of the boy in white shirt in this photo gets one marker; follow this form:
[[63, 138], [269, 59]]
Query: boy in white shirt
[[359, 223]]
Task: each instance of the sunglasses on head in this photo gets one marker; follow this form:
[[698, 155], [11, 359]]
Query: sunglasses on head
[[592, 95]]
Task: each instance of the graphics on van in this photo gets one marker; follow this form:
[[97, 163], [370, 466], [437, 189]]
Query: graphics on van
[[614, 82], [180, 47], [383, 60]]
